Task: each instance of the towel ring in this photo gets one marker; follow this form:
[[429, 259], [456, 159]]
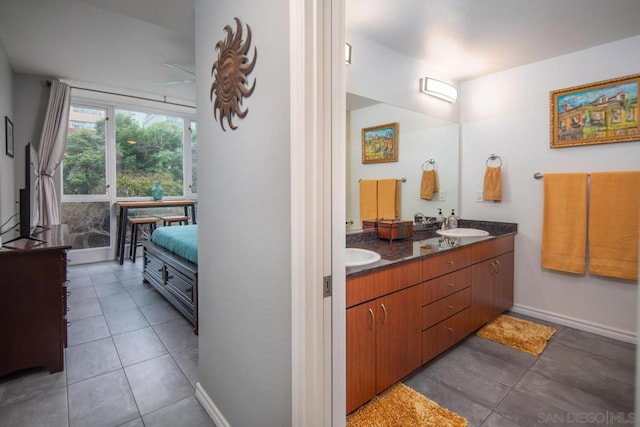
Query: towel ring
[[432, 162], [494, 157]]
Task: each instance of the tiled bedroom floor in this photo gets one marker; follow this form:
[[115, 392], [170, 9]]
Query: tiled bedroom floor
[[131, 360], [579, 379]]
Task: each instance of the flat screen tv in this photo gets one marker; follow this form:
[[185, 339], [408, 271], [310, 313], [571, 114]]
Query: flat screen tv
[[25, 196], [26, 229]]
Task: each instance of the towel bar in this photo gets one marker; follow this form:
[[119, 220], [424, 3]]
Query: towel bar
[[494, 157], [432, 162]]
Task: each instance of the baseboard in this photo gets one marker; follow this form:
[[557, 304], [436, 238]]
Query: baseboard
[[210, 407], [572, 322]]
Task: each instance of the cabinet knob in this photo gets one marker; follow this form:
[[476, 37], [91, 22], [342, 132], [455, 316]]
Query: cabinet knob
[[384, 311], [373, 318]]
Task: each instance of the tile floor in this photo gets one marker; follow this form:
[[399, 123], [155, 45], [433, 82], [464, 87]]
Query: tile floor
[[131, 360], [579, 379]]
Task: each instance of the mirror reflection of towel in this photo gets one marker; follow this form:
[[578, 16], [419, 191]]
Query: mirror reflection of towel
[[387, 198], [492, 189], [368, 199], [428, 184]]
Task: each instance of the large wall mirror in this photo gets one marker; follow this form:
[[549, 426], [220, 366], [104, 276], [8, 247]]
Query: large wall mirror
[[421, 137]]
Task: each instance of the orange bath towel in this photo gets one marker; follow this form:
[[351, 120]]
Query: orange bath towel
[[368, 199], [564, 228], [492, 189], [614, 220], [428, 184], [387, 198]]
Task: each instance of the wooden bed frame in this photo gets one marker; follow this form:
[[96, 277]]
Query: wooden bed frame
[[176, 278]]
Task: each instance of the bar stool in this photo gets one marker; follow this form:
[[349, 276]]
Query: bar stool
[[135, 222], [180, 219]]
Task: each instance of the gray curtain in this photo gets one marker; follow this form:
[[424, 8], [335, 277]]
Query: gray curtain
[[51, 152]]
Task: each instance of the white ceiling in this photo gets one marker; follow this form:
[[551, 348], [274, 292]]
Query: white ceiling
[[125, 43]]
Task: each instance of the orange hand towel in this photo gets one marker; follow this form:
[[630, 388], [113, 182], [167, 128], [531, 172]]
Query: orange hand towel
[[368, 199], [614, 220], [387, 198], [564, 225], [428, 184], [492, 189]]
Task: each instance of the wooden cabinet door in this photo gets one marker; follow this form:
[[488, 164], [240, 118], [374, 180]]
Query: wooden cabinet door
[[361, 355], [482, 293], [503, 299], [398, 336]]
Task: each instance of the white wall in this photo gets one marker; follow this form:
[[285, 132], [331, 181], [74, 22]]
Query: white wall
[[420, 138], [244, 224], [8, 206], [507, 113]]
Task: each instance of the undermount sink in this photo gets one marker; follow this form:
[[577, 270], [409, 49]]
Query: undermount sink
[[356, 257], [462, 232]]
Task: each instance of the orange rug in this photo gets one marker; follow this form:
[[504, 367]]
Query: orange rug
[[402, 406], [517, 333]]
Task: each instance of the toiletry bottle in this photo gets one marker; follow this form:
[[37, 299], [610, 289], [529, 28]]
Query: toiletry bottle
[[453, 219], [439, 217]]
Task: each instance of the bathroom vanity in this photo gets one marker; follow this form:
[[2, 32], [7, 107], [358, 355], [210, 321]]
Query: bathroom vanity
[[421, 298]]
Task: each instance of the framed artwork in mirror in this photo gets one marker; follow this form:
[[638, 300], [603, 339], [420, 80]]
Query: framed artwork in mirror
[[596, 113], [380, 143], [8, 136]]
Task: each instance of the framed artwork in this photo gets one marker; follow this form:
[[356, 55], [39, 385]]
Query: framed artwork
[[380, 143], [8, 135], [596, 113]]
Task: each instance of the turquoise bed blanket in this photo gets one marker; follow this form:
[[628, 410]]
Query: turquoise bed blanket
[[182, 240]]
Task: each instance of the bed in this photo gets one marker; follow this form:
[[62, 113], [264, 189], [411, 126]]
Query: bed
[[171, 267]]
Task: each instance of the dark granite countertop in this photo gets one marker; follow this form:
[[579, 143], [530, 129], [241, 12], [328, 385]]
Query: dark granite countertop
[[425, 242]]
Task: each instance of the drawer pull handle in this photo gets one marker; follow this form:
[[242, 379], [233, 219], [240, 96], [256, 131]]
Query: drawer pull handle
[[373, 318], [450, 262], [450, 330], [384, 311], [450, 307], [498, 266], [450, 285]]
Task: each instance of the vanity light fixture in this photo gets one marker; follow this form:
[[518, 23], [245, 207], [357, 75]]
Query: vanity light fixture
[[347, 53], [438, 89]]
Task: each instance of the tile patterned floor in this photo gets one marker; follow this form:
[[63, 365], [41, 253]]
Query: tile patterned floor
[[579, 379], [131, 360]]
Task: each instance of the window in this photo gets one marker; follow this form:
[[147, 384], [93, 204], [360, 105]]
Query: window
[[148, 149], [114, 153]]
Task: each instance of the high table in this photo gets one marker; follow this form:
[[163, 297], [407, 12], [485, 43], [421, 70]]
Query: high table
[[123, 208]]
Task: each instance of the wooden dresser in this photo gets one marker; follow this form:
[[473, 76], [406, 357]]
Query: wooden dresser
[[33, 285]]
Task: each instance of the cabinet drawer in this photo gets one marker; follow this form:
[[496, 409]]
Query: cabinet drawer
[[446, 307], [445, 285], [154, 268], [455, 328], [491, 248], [447, 262], [374, 285], [179, 286]]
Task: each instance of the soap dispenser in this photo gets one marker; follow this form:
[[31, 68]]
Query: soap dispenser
[[453, 219], [440, 217]]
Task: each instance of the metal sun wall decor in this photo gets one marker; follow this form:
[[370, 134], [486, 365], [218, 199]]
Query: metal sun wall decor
[[229, 72]]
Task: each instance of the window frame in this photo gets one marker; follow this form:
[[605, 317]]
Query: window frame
[[110, 105]]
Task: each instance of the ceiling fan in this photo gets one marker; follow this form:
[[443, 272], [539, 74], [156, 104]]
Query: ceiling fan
[[178, 82]]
